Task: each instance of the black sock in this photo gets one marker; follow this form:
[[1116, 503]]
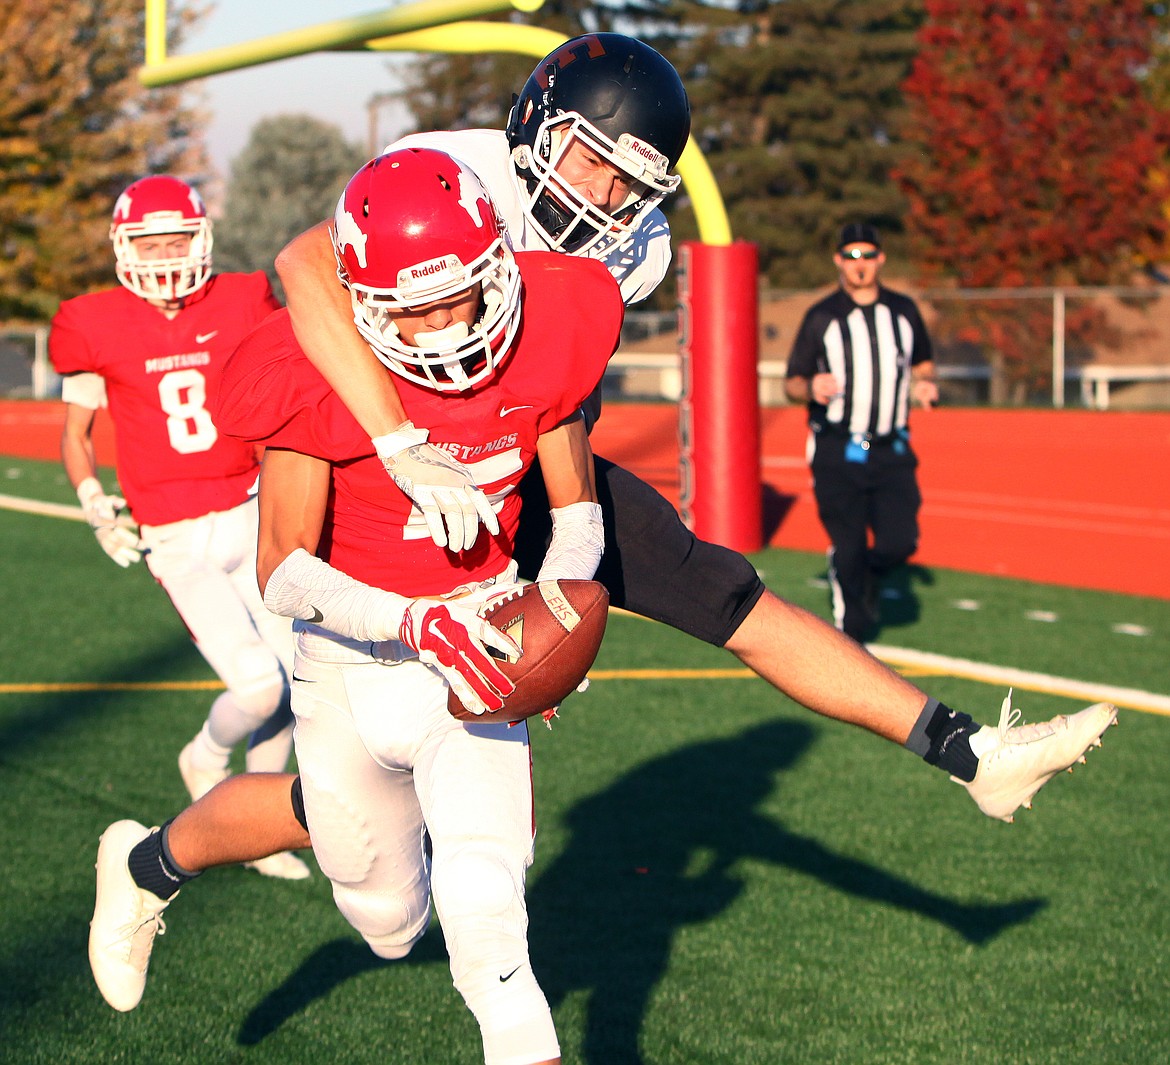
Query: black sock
[[941, 737], [153, 869]]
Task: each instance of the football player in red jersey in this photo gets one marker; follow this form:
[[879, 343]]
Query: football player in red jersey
[[154, 349], [404, 800]]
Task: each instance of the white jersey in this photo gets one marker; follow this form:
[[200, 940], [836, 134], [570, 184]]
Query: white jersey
[[638, 267]]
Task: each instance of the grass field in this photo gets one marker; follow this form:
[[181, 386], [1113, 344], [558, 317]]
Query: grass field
[[721, 877]]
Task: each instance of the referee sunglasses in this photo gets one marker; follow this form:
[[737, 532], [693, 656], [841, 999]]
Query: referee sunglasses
[[857, 253]]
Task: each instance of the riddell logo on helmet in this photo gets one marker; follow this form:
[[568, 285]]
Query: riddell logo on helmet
[[432, 274], [631, 145], [162, 218]]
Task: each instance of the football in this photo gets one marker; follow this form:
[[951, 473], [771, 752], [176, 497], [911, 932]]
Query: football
[[559, 625]]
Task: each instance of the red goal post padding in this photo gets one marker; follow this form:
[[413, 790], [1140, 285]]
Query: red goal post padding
[[719, 413]]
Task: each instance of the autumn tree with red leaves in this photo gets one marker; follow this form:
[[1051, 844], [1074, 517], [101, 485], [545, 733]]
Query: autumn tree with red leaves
[[1035, 151]]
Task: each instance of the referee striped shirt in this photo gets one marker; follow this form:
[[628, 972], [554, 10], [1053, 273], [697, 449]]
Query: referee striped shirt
[[871, 348]]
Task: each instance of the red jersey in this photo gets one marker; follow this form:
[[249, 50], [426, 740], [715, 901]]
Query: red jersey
[[273, 395], [160, 375]]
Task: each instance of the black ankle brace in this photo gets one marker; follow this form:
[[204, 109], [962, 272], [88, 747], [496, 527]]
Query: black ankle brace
[[153, 869], [945, 733]]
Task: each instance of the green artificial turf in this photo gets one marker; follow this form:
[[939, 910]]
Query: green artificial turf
[[720, 876]]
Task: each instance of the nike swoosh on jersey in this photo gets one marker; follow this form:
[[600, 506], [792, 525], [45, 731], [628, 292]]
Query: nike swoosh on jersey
[[203, 338], [505, 979], [505, 411], [315, 617]]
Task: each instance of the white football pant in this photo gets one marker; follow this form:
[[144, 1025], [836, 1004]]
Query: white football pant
[[402, 800], [207, 566]]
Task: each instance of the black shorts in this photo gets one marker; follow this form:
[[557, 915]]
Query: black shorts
[[653, 564]]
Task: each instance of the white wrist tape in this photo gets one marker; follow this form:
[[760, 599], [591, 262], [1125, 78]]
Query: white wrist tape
[[406, 435], [304, 587], [578, 540], [88, 489]]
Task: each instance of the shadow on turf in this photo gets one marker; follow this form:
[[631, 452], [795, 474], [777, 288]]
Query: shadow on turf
[[327, 967], [38, 716], [661, 849], [897, 603], [664, 848]]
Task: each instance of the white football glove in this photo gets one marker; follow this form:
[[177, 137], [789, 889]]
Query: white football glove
[[452, 504], [116, 532]]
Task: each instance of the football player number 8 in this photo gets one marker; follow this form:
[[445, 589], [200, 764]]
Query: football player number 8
[[183, 394]]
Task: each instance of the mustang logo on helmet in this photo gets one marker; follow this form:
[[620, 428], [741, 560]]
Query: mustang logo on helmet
[[350, 235]]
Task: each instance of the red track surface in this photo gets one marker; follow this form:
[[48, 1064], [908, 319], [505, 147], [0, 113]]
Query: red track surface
[[1074, 498], [1061, 497]]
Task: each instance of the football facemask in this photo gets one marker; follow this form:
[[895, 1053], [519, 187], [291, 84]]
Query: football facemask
[[414, 228], [157, 206], [568, 221]]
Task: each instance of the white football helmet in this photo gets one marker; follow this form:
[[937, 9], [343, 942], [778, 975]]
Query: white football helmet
[[154, 206], [414, 227]]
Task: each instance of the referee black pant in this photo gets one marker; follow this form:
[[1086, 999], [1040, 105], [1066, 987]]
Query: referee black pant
[[870, 511]]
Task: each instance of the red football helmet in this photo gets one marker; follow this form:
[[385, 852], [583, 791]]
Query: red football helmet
[[414, 227], [150, 207]]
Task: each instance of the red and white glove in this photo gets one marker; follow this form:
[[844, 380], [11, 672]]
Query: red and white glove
[[115, 531], [452, 504], [454, 639]]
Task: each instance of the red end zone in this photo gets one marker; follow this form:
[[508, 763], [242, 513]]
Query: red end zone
[[1062, 497]]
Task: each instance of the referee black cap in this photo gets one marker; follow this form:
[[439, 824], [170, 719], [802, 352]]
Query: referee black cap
[[858, 233]]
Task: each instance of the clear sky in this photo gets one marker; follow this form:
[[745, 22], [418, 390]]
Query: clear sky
[[334, 87]]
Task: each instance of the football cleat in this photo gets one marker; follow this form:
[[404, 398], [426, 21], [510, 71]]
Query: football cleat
[[283, 866], [198, 781], [1016, 761], [125, 919]]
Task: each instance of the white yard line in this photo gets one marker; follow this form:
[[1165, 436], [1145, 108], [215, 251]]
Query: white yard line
[[965, 668], [35, 506]]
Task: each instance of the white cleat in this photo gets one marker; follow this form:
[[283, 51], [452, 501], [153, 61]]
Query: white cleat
[[198, 781], [125, 919], [283, 866], [1016, 761]]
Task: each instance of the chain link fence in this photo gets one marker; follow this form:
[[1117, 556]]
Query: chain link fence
[[1096, 348], [25, 372]]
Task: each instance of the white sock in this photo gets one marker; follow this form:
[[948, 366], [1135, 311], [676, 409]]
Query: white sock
[[206, 754], [269, 753]]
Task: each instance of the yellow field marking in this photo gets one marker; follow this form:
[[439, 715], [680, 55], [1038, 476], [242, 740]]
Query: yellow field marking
[[114, 686], [670, 674], [908, 662]]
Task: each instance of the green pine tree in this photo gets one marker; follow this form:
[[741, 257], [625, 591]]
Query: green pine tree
[[796, 106], [287, 178]]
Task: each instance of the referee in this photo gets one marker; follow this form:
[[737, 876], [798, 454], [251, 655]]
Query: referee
[[859, 359]]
